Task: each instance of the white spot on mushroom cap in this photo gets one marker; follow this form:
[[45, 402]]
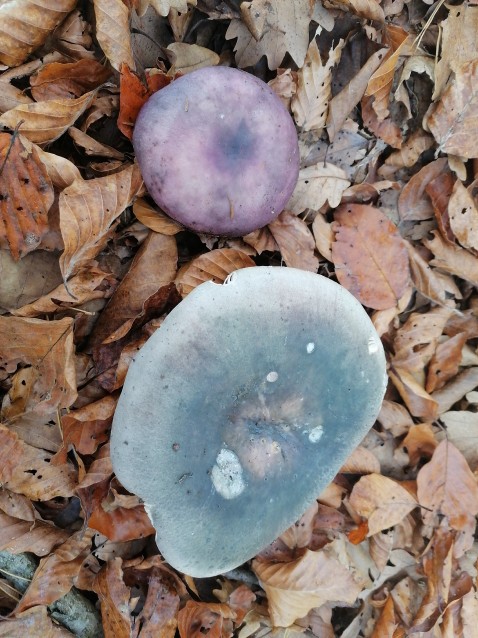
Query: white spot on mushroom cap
[[316, 434], [272, 376], [310, 347], [373, 344], [226, 475]]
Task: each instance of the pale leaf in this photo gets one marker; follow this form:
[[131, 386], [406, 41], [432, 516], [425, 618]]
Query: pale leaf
[[312, 580], [44, 122], [189, 57], [113, 32], [462, 431], [463, 215], [381, 501], [367, 9], [316, 185], [87, 210], [163, 7]]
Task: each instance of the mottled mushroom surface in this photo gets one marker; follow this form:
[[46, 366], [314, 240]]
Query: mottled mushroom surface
[[241, 408], [218, 151]]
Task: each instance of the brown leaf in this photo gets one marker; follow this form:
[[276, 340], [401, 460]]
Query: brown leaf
[[87, 210], [462, 430], [383, 502], [439, 191], [44, 122], [18, 536], [412, 203], [214, 266], [296, 242], [387, 624], [386, 130], [33, 622], [26, 196], [414, 395], [114, 600], [46, 347], [56, 573], [154, 218], [27, 470], [445, 362], [294, 588], [92, 146], [456, 389], [367, 9], [361, 461], [67, 80], [447, 487], [153, 267], [434, 285], [113, 33], [463, 216], [23, 28], [420, 442], [453, 259], [189, 57], [451, 119], [212, 619], [370, 257]]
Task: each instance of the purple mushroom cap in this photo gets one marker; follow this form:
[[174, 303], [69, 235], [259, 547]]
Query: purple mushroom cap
[[218, 151]]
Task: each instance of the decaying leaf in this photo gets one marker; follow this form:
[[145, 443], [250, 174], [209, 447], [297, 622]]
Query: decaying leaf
[[294, 588], [25, 27], [87, 210], [370, 257], [214, 266], [26, 196]]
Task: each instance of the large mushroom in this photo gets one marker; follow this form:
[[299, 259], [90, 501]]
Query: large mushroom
[[241, 408], [218, 151]]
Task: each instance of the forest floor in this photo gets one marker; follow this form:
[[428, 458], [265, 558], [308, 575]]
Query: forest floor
[[385, 99]]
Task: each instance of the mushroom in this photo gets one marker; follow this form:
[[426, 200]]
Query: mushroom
[[218, 151], [241, 408]]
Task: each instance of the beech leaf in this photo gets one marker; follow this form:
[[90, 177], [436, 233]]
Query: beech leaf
[[295, 241], [113, 32]]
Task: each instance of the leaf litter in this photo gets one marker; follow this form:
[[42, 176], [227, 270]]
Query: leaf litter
[[384, 98]]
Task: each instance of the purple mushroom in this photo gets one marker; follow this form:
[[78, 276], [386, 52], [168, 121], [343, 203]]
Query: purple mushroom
[[241, 408], [218, 151]]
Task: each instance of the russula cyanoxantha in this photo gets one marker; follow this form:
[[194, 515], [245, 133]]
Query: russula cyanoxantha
[[241, 408], [218, 151]]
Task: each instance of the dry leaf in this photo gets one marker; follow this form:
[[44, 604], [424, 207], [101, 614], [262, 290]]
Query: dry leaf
[[324, 236], [47, 382], [87, 210], [310, 103], [271, 30], [383, 502], [114, 600], [189, 57], [451, 119], [420, 443], [25, 27], [445, 362], [33, 622], [453, 259], [294, 588], [154, 218], [113, 33], [212, 619], [463, 216], [456, 389], [163, 7], [418, 401], [367, 9], [214, 266], [67, 80], [364, 238], [44, 122], [462, 431], [28, 471], [316, 185], [296, 242], [92, 146], [26, 196], [39, 538], [436, 286], [412, 203], [447, 487]]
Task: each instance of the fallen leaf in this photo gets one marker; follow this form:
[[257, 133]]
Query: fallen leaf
[[420, 442], [296, 242], [197, 618], [462, 430], [114, 600], [154, 218], [316, 185], [434, 285], [113, 33], [214, 266], [445, 362], [87, 210], [453, 259], [463, 216], [419, 402], [451, 118], [387, 624], [382, 501], [31, 622], [447, 487], [24, 28], [190, 57], [26, 196], [44, 122], [310, 102], [163, 7], [456, 389], [439, 191], [39, 538], [92, 146], [67, 80], [370, 257], [294, 588], [271, 30], [408, 155], [46, 349], [323, 235], [361, 461], [413, 204], [367, 9]]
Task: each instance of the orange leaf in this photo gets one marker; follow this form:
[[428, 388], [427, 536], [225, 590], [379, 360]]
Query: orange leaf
[[370, 257], [213, 619], [67, 80], [114, 600], [26, 196]]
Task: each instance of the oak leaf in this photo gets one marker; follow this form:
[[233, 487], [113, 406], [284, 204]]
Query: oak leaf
[[44, 122], [26, 196], [294, 588], [271, 29], [370, 257], [382, 501], [87, 210], [25, 27]]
